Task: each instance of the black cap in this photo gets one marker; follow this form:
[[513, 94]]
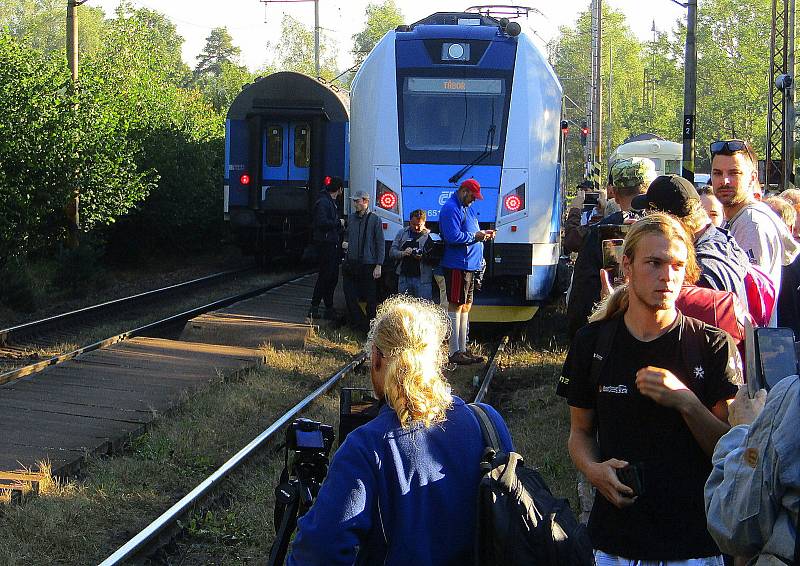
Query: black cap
[[334, 184], [585, 184], [668, 193]]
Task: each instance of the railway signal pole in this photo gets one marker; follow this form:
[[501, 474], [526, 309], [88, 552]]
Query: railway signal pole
[[316, 26]]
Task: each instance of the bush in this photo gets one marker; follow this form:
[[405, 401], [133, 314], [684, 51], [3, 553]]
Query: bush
[[80, 271], [18, 286]]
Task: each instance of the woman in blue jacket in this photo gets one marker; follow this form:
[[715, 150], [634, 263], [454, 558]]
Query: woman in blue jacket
[[402, 488]]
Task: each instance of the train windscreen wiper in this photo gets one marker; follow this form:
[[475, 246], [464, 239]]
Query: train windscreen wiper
[[486, 153]]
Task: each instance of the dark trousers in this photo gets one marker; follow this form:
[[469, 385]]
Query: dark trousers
[[328, 258], [360, 285]]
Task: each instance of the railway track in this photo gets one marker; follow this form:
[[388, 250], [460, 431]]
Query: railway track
[[28, 348], [168, 526]]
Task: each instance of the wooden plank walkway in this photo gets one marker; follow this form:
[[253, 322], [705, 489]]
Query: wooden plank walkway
[[93, 404], [277, 317]]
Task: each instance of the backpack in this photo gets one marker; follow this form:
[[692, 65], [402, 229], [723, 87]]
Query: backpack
[[433, 252], [761, 295], [519, 520], [717, 308]]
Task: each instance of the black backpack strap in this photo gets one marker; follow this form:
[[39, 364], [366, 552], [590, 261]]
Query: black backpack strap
[[491, 438], [602, 347]]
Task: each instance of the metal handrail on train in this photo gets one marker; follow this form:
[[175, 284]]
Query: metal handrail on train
[[169, 517]]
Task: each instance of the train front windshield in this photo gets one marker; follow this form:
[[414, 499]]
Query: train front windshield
[[445, 117]]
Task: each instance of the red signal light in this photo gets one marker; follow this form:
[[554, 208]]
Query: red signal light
[[387, 200], [327, 180], [244, 179], [513, 203], [585, 131]]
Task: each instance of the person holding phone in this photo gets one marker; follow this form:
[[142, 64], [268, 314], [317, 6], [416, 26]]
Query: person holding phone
[[752, 496], [647, 389]]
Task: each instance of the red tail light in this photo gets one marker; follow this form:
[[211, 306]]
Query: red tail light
[[327, 180], [513, 203], [244, 179], [387, 200]]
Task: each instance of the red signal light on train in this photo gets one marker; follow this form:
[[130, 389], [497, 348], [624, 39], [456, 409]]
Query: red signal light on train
[[387, 200], [327, 180], [513, 203], [244, 179]]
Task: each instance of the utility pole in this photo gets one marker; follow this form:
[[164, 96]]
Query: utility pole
[[72, 207], [316, 26], [610, 98], [596, 112], [779, 158], [689, 91]]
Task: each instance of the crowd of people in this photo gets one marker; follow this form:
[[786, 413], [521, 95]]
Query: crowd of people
[[688, 468]]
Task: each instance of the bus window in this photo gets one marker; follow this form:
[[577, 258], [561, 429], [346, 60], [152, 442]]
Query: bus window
[[672, 167], [274, 146], [302, 145]]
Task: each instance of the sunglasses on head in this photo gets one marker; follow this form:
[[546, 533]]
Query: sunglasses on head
[[728, 147]]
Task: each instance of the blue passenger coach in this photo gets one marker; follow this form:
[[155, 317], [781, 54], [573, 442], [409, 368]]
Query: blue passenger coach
[[283, 135], [460, 95]]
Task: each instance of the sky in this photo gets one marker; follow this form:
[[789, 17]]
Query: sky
[[252, 24]]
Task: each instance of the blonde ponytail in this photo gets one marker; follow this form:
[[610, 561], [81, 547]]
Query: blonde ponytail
[[410, 335]]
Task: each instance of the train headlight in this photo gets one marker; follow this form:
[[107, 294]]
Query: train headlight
[[244, 179], [514, 201], [455, 51], [387, 198]]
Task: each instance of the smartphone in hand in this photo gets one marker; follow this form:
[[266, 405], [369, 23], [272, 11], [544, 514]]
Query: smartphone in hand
[[631, 476]]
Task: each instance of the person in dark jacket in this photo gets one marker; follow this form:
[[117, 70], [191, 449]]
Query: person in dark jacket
[[402, 489], [722, 262], [326, 236], [630, 177], [365, 254]]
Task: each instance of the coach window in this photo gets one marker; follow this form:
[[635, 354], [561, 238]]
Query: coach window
[[672, 167], [274, 146], [302, 145]]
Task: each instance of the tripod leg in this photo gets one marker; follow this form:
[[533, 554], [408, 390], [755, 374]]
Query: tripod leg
[[288, 495]]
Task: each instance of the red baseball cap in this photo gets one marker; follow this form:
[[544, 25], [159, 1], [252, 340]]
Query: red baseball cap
[[474, 187]]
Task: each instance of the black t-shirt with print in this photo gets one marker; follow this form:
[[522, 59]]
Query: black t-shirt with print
[[668, 521]]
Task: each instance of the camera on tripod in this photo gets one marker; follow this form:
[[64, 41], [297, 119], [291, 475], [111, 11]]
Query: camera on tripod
[[308, 445]]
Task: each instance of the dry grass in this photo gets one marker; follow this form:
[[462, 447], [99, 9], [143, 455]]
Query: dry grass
[[83, 521]]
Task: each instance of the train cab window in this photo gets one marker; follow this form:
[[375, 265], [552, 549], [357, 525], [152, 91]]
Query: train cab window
[[447, 114], [274, 146], [302, 145], [672, 167]]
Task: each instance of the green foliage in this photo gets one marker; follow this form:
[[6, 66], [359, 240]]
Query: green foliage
[[18, 286], [381, 18], [80, 271], [218, 51], [295, 51], [648, 77]]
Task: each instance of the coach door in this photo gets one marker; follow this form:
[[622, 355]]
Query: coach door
[[287, 152]]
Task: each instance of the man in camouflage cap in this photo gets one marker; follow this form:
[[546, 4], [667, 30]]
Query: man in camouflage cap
[[630, 177]]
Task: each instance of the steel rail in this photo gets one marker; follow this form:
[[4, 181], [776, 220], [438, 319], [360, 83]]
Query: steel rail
[[171, 515], [19, 373], [490, 370], [38, 325]]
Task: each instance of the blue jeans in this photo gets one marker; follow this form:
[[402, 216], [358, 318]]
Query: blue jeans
[[414, 286]]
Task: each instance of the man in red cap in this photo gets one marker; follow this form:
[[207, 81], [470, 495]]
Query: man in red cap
[[463, 255]]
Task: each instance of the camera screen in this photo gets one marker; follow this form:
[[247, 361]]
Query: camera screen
[[591, 198], [309, 439], [612, 258], [777, 355]]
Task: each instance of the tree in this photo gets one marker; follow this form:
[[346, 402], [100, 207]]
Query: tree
[[219, 50], [381, 18], [295, 51]]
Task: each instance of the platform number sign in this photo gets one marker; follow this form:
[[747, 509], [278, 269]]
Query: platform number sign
[[688, 126]]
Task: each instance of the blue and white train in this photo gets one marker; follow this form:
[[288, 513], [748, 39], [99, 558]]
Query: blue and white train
[[466, 94]]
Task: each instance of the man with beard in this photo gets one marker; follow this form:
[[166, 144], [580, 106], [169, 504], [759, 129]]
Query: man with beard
[[647, 389], [758, 231]]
